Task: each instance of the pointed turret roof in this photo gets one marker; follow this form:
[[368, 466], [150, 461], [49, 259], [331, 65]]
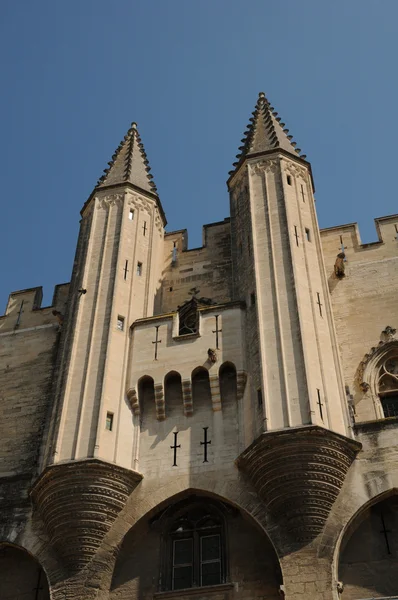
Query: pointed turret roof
[[129, 164], [265, 133]]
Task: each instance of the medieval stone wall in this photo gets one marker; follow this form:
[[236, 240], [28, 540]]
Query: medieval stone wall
[[207, 268], [28, 346], [364, 300]]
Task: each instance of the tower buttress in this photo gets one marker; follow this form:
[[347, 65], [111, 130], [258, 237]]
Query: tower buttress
[[115, 281], [279, 271], [297, 398]]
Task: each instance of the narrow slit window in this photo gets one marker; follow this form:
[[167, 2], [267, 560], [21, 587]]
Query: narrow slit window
[[125, 270], [252, 299], [248, 245], [170, 289], [139, 269], [308, 234], [120, 323], [289, 180], [109, 421], [144, 228], [302, 193], [259, 397], [131, 215]]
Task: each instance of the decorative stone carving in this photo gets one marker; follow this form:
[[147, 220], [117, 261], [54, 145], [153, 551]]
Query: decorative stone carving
[[79, 502], [298, 473], [294, 169], [187, 397], [215, 392], [264, 165], [212, 355], [160, 402], [388, 334], [339, 266], [365, 371], [107, 201], [241, 378], [133, 399]]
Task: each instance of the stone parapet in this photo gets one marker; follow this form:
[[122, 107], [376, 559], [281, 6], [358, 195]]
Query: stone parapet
[[298, 473], [79, 502]]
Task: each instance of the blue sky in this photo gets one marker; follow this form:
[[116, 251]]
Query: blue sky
[[75, 74]]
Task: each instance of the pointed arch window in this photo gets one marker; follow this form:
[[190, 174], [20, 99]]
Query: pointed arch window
[[387, 385], [196, 548]]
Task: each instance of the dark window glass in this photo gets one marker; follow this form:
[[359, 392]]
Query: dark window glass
[[182, 564], [390, 406]]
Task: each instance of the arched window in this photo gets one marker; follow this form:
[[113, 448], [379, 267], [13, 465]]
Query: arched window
[[195, 548], [201, 392], [387, 385], [228, 390], [146, 395], [173, 393]]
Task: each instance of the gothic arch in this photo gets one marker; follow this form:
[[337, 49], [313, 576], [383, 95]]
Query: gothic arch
[[21, 574], [367, 550], [370, 373], [243, 534]]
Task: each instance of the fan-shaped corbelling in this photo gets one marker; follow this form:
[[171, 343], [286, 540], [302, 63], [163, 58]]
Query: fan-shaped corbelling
[[79, 502], [298, 473]]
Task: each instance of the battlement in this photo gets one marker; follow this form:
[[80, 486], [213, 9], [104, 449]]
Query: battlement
[[24, 310], [346, 238], [207, 268]]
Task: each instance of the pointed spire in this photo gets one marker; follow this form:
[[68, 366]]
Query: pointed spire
[[264, 133], [129, 164]]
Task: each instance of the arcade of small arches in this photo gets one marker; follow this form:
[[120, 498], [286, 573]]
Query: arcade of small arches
[[201, 387], [205, 541]]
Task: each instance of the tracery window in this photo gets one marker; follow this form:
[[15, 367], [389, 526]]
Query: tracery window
[[195, 548], [387, 385]]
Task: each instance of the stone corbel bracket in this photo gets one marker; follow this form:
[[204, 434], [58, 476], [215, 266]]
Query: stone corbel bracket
[[298, 473], [78, 503]]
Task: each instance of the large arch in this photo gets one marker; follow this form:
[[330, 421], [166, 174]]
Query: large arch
[[368, 550], [251, 562], [21, 575]]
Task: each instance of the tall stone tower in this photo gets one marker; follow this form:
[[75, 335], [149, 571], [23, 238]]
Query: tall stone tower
[[291, 347], [114, 282]]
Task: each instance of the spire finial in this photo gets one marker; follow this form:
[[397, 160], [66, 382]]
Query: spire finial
[[265, 133], [129, 164]]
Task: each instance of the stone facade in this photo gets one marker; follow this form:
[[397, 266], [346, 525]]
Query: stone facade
[[216, 423]]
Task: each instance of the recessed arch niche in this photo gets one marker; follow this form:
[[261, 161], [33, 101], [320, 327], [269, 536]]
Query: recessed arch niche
[[249, 565], [368, 559], [21, 575]]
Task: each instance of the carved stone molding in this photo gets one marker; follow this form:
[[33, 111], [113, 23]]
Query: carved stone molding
[[364, 372], [133, 399], [140, 202], [268, 166], [107, 201], [187, 397], [293, 169], [298, 473], [241, 378], [215, 392], [160, 402], [79, 503]]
